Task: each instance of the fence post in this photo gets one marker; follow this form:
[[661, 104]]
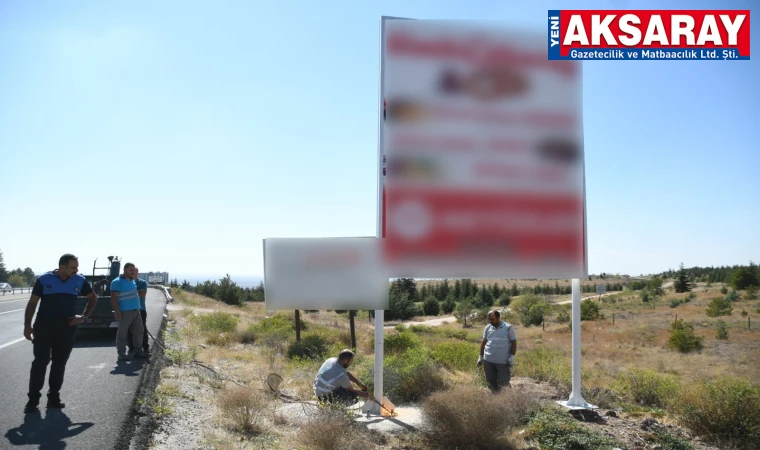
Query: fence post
[[613, 318], [298, 326]]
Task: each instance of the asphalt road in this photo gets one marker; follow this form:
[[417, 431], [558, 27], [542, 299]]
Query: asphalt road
[[98, 391]]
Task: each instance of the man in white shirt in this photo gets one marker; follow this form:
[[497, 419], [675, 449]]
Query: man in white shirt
[[333, 381], [497, 351]]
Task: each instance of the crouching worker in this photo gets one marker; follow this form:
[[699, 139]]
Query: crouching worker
[[333, 381]]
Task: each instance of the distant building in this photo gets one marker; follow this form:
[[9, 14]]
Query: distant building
[[155, 277]]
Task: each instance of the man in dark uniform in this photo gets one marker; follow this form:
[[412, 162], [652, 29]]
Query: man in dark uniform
[[52, 335]]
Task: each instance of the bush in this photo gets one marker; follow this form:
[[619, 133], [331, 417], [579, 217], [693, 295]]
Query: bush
[[563, 316], [589, 310], [556, 429], [431, 307], [725, 411], [456, 334], [721, 330], [216, 322], [682, 337], [648, 387], [719, 307], [410, 376], [400, 342], [245, 409], [531, 308], [469, 417], [505, 300], [273, 332], [733, 296], [456, 355], [752, 292], [675, 302], [311, 346], [332, 428], [724, 290]]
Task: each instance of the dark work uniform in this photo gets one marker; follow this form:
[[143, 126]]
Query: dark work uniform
[[53, 336]]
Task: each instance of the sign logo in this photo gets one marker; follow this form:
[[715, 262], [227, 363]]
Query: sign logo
[[649, 35], [48, 287], [76, 288]]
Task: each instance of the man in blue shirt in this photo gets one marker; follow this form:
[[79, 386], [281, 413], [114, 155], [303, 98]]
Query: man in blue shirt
[[142, 292], [497, 350], [52, 334], [126, 305]]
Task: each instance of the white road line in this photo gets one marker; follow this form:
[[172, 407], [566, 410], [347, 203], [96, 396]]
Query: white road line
[[11, 343], [8, 312], [12, 301]]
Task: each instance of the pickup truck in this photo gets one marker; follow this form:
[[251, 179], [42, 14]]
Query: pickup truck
[[102, 316]]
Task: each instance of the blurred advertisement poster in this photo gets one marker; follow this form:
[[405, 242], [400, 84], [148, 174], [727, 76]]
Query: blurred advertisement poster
[[481, 139]]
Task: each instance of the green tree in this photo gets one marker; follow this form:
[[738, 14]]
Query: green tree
[[449, 304], [17, 280], [484, 298], [752, 293], [745, 277], [721, 330], [463, 310], [3, 270], [400, 307], [655, 288], [228, 292], [531, 308], [682, 283], [682, 337], [431, 307], [719, 307]]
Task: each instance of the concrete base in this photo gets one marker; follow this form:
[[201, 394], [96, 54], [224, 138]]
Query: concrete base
[[407, 419], [569, 404]]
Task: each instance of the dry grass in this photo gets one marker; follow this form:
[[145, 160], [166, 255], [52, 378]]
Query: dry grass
[[246, 410], [469, 416], [332, 429]]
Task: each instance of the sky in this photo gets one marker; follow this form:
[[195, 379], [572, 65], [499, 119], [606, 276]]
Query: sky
[[179, 134]]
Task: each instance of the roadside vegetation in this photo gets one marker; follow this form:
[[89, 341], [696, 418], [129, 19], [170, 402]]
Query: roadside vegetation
[[652, 348]]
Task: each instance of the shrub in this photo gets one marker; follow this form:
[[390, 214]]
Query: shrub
[[721, 330], [733, 296], [563, 316], [719, 307], [469, 417], [648, 387], [456, 355], [589, 310], [675, 302], [555, 429], [456, 334], [410, 376], [505, 300], [216, 322], [725, 411], [311, 346], [682, 337], [724, 290], [400, 342], [245, 409], [332, 428], [752, 292]]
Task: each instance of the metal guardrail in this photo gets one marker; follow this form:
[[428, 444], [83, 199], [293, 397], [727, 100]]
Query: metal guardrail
[[18, 290]]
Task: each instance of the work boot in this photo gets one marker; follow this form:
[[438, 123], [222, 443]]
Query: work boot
[[125, 356], [31, 407], [55, 404], [142, 355]]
